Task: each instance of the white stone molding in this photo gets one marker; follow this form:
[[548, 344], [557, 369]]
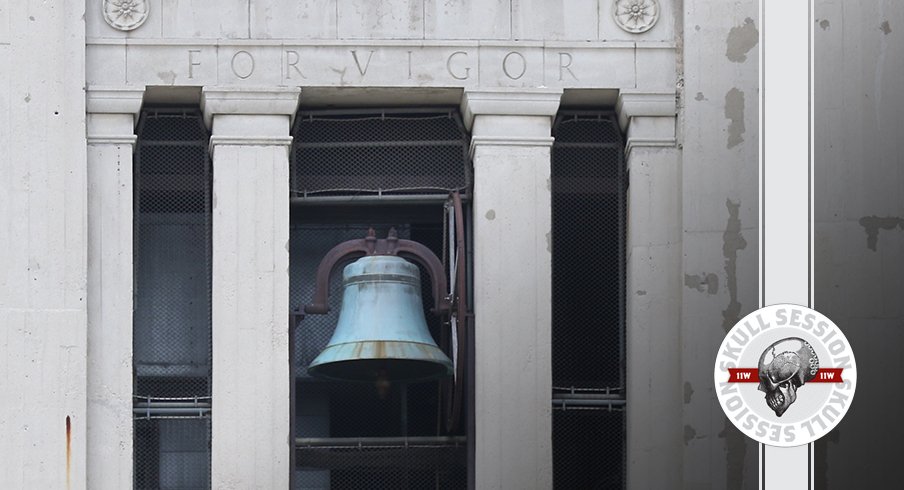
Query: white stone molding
[[114, 100], [509, 102], [648, 119], [635, 16], [249, 101], [125, 15]]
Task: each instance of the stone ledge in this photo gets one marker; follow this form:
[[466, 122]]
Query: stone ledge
[[637, 104], [114, 100], [538, 102], [249, 101]]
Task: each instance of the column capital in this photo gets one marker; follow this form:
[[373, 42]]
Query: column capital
[[647, 118], [112, 114], [114, 100], [539, 102], [644, 104], [272, 101]]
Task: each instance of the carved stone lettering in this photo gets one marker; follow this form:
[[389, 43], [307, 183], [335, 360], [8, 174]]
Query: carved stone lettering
[[242, 64], [362, 71], [324, 65], [192, 63], [510, 65], [565, 61], [292, 60], [458, 75]]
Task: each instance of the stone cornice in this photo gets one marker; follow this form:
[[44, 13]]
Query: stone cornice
[[509, 102], [651, 104], [105, 139], [251, 140], [114, 100], [249, 101]]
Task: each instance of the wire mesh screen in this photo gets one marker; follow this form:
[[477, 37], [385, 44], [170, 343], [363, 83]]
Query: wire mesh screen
[[588, 279], [380, 152], [588, 448], [172, 319], [352, 435]]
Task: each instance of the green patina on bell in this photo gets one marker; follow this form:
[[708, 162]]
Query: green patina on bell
[[382, 333]]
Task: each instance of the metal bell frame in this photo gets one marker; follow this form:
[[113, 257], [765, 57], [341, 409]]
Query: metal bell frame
[[449, 304]]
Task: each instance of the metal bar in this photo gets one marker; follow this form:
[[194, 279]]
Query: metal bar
[[155, 411], [370, 199], [614, 146], [379, 441], [588, 396], [383, 143], [156, 405], [377, 112], [564, 402]]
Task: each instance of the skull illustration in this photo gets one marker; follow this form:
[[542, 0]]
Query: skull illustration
[[784, 367]]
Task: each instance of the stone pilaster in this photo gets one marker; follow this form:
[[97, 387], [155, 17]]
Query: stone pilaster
[[112, 114], [251, 439], [510, 148], [653, 316]]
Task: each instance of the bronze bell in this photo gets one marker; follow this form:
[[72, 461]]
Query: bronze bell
[[381, 334]]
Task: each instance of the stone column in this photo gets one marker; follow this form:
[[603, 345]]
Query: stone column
[[653, 296], [251, 439], [111, 137], [510, 149]]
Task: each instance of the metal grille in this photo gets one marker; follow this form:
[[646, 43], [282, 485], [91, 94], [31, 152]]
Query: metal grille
[[349, 436], [172, 319], [588, 279], [379, 152], [588, 448]]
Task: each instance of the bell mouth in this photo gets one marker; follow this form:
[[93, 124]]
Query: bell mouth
[[370, 361]]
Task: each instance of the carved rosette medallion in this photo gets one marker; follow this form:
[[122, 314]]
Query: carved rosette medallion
[[635, 16], [125, 15]]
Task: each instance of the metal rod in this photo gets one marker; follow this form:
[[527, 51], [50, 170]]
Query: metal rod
[[155, 405], [369, 199], [379, 441], [588, 396], [154, 411], [571, 402], [389, 143]]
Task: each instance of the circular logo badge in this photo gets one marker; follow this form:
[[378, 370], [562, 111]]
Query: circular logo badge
[[785, 375]]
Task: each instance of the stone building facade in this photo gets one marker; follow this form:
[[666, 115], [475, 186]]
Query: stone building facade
[[679, 77]]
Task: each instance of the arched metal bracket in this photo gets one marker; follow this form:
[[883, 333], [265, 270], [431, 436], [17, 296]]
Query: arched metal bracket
[[391, 245]]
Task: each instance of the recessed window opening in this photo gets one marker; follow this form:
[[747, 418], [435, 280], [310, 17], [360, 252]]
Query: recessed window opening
[[354, 171], [172, 318], [588, 282]]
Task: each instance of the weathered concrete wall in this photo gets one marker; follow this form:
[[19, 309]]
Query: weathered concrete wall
[[859, 206], [43, 241], [718, 130]]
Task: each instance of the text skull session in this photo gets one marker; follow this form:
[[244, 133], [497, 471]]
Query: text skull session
[[785, 375]]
